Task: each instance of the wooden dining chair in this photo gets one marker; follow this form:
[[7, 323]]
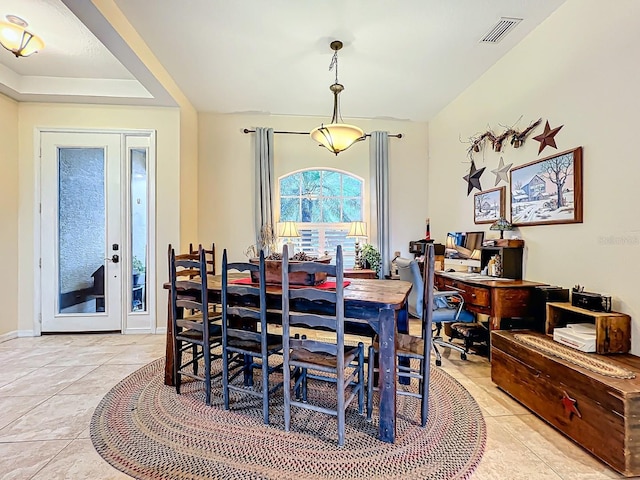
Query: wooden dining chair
[[308, 359], [417, 349], [210, 256], [194, 328], [245, 338]]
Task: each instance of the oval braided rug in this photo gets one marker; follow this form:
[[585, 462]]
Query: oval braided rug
[[143, 428]]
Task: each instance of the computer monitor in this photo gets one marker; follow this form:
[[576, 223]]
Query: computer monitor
[[462, 244]]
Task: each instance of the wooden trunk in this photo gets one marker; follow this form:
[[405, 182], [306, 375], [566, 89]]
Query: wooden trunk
[[607, 424], [273, 272]]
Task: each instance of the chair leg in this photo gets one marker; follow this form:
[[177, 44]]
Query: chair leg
[[341, 409], [370, 369], [265, 389], [194, 353], [225, 378], [177, 355], [361, 378], [206, 353]]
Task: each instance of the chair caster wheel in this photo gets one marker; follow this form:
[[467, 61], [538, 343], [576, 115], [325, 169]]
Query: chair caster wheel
[[438, 363], [463, 356]]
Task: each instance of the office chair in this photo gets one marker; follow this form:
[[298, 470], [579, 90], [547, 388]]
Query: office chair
[[447, 306]]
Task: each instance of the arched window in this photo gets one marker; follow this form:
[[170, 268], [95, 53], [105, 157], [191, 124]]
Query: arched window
[[323, 202]]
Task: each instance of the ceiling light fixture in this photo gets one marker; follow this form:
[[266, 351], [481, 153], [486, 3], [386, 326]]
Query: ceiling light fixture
[[15, 37], [336, 136]]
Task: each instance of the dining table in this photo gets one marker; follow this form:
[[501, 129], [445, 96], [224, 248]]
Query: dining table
[[363, 299]]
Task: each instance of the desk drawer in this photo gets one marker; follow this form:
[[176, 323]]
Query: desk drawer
[[476, 296]]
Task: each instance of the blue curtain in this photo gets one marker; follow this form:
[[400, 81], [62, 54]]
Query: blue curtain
[[379, 167], [264, 180]]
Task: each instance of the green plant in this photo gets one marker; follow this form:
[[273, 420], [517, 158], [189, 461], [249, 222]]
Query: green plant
[[137, 265], [371, 257]]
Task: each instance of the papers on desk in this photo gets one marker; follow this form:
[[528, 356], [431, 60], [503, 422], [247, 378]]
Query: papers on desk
[[475, 276], [581, 336]]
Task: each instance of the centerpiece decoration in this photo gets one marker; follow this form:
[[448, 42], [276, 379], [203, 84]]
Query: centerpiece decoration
[[273, 269]]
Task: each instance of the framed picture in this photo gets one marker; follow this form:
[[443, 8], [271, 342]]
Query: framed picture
[[548, 191], [488, 206]]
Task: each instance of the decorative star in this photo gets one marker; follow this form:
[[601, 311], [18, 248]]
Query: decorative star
[[502, 172], [570, 406], [473, 178], [546, 137]]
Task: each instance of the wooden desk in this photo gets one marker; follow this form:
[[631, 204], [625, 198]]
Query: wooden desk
[[360, 273], [363, 300], [496, 298]]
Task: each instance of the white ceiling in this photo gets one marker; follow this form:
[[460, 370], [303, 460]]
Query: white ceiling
[[405, 59]]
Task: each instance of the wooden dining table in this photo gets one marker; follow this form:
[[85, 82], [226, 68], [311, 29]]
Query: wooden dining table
[[363, 300]]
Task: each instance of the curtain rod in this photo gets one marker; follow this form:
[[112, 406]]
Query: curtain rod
[[246, 130]]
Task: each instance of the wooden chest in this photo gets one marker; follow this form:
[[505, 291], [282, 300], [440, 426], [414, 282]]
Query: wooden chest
[[605, 417]]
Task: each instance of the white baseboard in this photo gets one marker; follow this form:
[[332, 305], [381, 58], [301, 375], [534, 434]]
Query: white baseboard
[[161, 330], [137, 331], [27, 333]]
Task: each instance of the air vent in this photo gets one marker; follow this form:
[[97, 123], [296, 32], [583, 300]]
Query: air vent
[[500, 30]]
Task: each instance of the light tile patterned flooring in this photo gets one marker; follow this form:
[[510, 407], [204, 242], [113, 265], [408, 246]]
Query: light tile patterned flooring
[[50, 386]]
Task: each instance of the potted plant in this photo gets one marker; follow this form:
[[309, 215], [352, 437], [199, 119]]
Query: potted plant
[[138, 270], [371, 257]]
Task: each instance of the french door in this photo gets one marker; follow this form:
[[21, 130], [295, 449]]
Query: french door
[[94, 231]]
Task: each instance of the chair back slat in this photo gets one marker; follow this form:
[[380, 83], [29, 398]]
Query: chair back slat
[[313, 294], [210, 256]]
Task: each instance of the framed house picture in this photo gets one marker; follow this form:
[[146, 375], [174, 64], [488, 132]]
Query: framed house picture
[[548, 191], [488, 206]]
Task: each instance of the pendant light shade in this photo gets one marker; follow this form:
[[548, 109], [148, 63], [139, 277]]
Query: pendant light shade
[[336, 136], [15, 38]]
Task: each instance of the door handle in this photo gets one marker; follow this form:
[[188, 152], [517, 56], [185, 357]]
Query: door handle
[[114, 258]]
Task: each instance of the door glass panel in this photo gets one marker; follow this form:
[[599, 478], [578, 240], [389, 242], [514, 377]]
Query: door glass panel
[[81, 230], [138, 215]]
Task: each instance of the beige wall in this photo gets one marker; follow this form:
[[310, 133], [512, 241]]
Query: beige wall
[[577, 69], [227, 183], [9, 163], [165, 121]]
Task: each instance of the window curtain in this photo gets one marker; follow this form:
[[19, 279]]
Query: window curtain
[[264, 182], [379, 167]]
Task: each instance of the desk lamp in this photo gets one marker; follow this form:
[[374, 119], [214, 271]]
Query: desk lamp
[[289, 232], [358, 230], [501, 224]]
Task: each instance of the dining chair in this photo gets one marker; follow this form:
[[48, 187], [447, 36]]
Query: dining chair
[[245, 337], [417, 349], [311, 359], [210, 255], [448, 306], [194, 329]]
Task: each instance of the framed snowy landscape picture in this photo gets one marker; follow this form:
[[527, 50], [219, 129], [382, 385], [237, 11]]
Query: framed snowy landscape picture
[[548, 191], [488, 206]]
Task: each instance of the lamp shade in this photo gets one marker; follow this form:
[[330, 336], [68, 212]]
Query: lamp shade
[[289, 230], [19, 41], [501, 224], [337, 137], [357, 229]]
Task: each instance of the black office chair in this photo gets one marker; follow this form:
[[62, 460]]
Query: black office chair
[[448, 306]]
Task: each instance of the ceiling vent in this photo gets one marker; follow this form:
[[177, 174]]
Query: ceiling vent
[[500, 29]]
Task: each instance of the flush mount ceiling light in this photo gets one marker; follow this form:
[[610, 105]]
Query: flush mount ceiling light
[[15, 37], [336, 136]]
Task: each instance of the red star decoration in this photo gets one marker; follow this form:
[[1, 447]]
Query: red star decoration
[[473, 178], [546, 137], [570, 406]]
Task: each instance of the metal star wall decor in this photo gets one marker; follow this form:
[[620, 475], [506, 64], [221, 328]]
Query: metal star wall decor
[[569, 405], [502, 172], [473, 178], [546, 137]]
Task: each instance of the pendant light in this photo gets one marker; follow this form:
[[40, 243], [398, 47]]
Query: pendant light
[[15, 37], [336, 136]]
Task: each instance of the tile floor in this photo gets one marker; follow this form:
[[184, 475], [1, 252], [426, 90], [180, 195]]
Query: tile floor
[[50, 386]]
